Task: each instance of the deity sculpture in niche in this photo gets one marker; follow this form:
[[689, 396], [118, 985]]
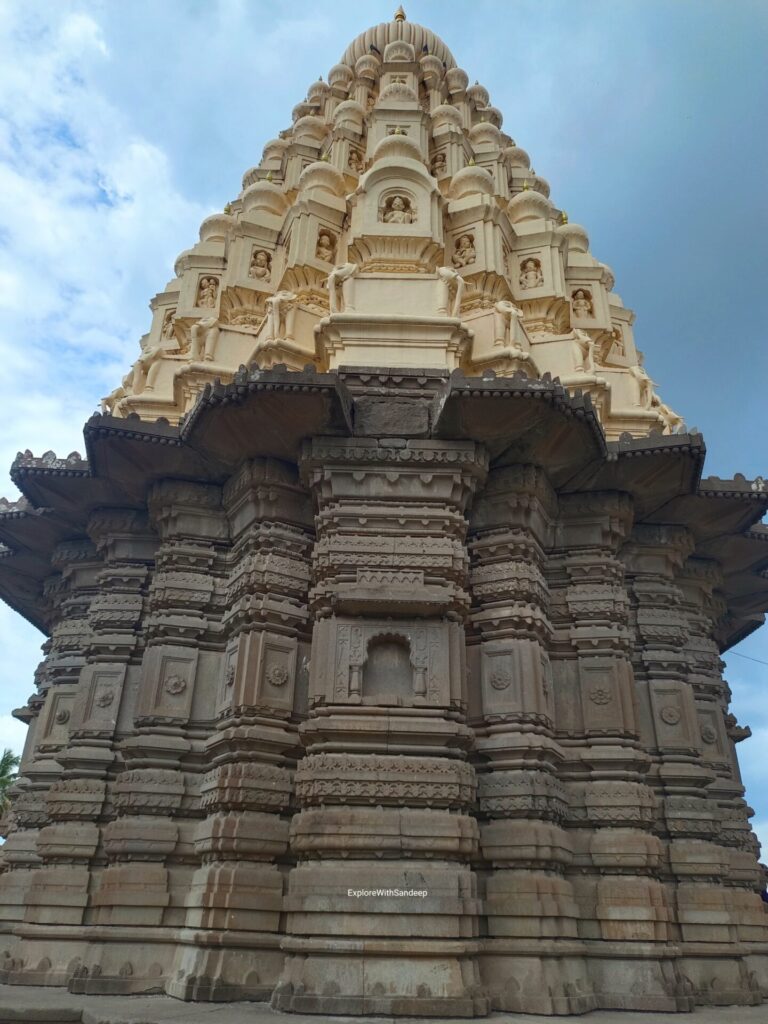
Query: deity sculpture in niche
[[398, 210], [281, 313], [505, 314], [439, 164], [355, 161], [167, 331], [581, 303], [644, 382], [207, 291], [261, 265], [205, 335], [530, 274], [583, 351], [341, 279], [326, 246], [450, 282], [464, 254]]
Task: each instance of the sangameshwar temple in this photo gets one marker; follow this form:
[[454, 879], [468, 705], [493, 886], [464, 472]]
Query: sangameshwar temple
[[384, 610]]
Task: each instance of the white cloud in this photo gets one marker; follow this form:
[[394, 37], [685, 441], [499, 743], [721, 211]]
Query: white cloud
[[89, 217], [89, 221], [12, 734], [20, 646]]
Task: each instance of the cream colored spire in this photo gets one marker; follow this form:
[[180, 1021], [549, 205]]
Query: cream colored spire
[[393, 190]]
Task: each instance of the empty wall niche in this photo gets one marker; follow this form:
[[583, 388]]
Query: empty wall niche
[[388, 673]]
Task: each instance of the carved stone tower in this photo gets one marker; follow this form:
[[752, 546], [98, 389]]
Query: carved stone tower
[[385, 609]]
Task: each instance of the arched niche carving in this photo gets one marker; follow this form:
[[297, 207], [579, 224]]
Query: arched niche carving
[[388, 670], [396, 218], [398, 205]]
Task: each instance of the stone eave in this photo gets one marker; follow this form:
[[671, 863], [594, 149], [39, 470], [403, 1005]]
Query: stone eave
[[520, 419], [139, 453], [711, 516], [534, 421], [58, 484], [228, 426], [21, 578], [654, 470], [34, 529], [744, 561]]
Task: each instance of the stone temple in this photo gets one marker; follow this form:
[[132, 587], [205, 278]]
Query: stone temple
[[385, 609]]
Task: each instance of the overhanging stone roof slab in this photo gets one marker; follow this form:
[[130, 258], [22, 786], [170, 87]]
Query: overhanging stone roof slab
[[251, 418]]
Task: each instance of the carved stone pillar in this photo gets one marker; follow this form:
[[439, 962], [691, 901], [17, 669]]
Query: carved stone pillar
[[260, 690], [699, 581], [81, 799], [611, 812], [54, 815], [382, 905], [533, 959], [697, 865], [672, 641], [149, 843]]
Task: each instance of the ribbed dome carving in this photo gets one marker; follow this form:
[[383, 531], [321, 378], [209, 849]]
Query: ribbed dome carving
[[388, 32]]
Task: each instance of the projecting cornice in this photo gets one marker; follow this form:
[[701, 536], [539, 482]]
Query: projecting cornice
[[271, 413]]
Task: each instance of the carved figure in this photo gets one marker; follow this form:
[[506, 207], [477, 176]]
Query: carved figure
[[618, 341], [584, 351], [167, 330], [207, 291], [341, 279], [449, 281], [281, 313], [261, 265], [465, 252], [673, 423], [115, 397], [205, 335], [530, 274], [610, 344], [355, 161], [146, 368], [505, 314], [326, 247], [397, 210], [439, 164], [644, 383], [581, 303]]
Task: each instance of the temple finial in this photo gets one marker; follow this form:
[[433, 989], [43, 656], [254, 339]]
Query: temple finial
[[400, 14]]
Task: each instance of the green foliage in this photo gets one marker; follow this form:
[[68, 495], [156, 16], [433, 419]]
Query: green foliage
[[9, 762]]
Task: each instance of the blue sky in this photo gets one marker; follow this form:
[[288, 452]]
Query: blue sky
[[123, 125]]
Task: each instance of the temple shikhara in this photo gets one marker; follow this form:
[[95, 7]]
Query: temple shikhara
[[385, 609]]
